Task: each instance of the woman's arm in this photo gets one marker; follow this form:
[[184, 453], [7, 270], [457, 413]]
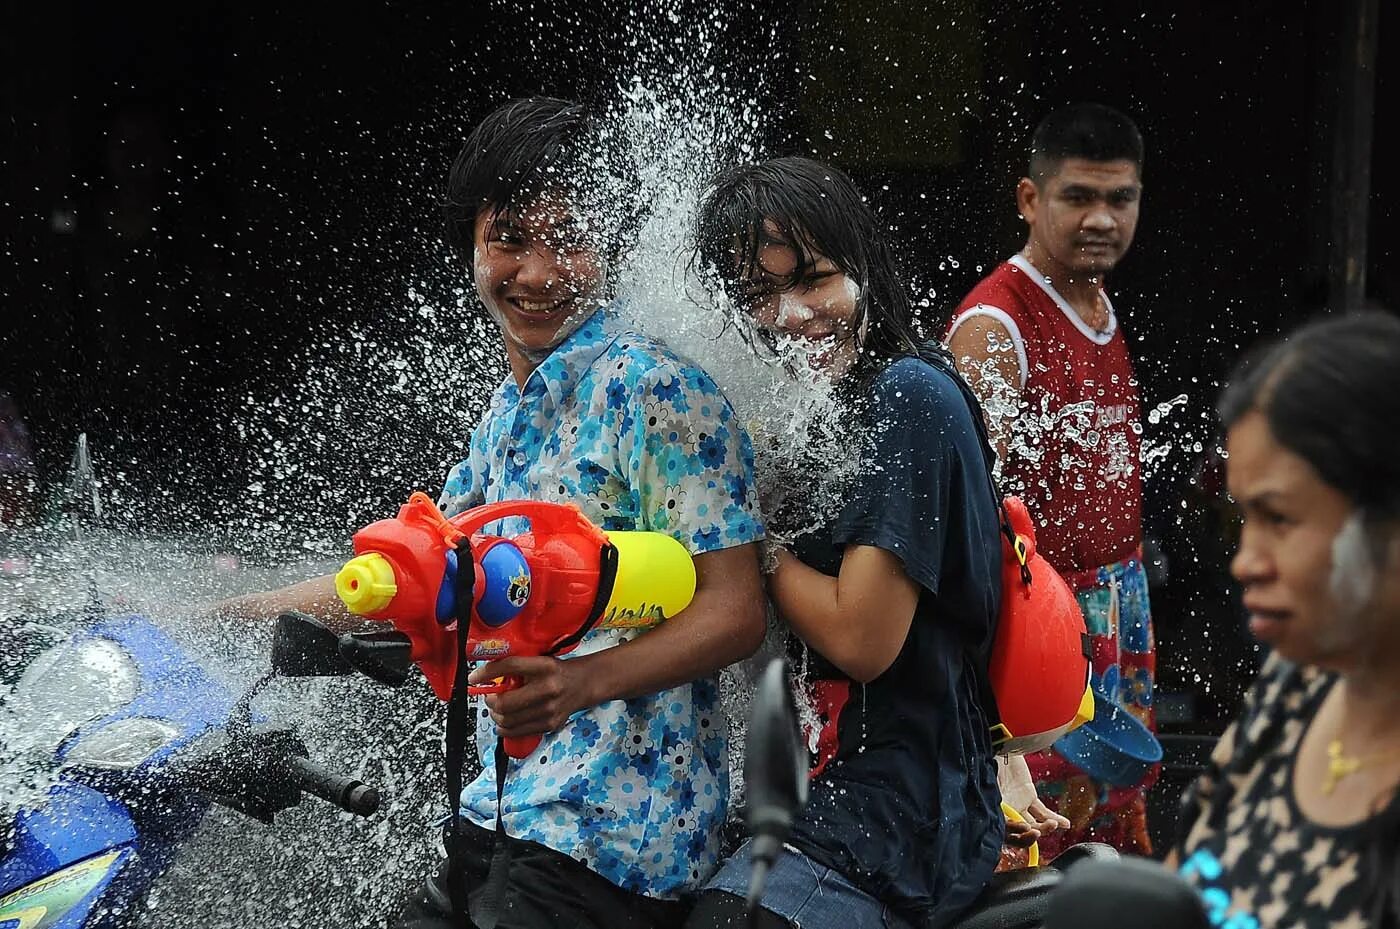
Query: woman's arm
[[1018, 790], [858, 620]]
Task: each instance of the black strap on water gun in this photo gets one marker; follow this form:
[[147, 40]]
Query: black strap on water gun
[[607, 576], [486, 910], [485, 907]]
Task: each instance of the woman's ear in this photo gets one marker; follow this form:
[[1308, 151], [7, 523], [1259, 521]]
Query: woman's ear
[[1383, 548], [1357, 563]]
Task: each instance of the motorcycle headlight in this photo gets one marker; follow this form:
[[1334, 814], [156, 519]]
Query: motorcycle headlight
[[122, 744], [73, 683]]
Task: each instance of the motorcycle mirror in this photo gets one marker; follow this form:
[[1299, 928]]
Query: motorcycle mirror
[[775, 773], [305, 647], [386, 657]]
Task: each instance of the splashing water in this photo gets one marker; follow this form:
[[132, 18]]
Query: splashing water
[[1025, 430], [785, 403], [224, 875], [363, 416], [329, 452], [679, 139]]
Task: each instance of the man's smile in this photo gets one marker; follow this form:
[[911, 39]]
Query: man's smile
[[539, 309]]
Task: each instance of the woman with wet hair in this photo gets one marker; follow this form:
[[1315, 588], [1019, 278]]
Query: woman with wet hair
[[895, 599], [1296, 821]]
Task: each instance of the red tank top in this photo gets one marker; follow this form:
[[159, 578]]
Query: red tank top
[[1076, 455]]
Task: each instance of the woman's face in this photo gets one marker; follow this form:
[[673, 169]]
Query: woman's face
[[1295, 562], [813, 313]]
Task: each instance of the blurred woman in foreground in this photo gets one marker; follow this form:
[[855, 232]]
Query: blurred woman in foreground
[[1296, 821]]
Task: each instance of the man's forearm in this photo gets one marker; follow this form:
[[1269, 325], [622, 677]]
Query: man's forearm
[[680, 651], [316, 597], [722, 625]]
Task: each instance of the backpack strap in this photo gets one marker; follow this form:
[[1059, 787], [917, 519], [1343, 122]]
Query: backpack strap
[[941, 359]]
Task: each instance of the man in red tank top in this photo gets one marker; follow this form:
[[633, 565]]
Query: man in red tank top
[[1040, 343]]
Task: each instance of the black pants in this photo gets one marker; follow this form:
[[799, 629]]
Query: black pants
[[544, 890]]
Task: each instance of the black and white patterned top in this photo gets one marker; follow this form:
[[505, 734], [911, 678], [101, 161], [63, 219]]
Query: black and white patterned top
[[1258, 862]]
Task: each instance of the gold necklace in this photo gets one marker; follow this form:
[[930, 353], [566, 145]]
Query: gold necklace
[[1341, 765]]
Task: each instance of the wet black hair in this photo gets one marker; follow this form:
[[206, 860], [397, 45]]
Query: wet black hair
[[534, 146], [818, 212], [1090, 131], [1330, 393]]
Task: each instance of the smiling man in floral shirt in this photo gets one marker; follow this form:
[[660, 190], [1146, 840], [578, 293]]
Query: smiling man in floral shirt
[[616, 815], [618, 811]]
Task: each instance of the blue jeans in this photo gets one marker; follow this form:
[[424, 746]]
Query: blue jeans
[[808, 895]]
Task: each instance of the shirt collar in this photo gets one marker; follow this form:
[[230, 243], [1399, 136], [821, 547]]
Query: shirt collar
[[1098, 338], [559, 374]]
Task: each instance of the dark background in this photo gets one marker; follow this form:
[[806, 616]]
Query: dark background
[[194, 195], [188, 194]]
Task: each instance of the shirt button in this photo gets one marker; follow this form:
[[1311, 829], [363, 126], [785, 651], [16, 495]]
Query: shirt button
[[519, 459]]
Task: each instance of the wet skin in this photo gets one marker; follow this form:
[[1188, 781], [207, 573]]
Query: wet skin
[[1082, 217], [533, 270], [815, 311]]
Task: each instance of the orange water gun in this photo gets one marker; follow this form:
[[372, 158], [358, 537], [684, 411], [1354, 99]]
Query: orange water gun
[[538, 593]]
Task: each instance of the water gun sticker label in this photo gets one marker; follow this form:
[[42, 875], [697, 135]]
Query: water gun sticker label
[[642, 617], [487, 649], [518, 590]]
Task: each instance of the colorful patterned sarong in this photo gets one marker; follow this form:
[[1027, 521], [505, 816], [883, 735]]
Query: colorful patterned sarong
[[1118, 616]]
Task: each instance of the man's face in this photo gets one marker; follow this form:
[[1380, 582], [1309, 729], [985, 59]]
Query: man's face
[[534, 270], [1084, 215]]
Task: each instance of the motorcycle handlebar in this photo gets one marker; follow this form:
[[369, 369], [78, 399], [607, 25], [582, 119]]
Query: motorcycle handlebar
[[345, 792]]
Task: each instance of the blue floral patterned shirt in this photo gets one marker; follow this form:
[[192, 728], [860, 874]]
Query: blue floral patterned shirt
[[640, 439]]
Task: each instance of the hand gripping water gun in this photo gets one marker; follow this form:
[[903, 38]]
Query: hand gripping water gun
[[1040, 658], [537, 593]]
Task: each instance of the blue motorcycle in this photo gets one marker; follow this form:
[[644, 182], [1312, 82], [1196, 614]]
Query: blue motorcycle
[[148, 741]]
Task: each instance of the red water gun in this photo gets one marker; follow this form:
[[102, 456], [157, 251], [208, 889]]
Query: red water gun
[[538, 593]]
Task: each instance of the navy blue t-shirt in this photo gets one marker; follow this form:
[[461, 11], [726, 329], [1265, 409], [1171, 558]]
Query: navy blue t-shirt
[[904, 798]]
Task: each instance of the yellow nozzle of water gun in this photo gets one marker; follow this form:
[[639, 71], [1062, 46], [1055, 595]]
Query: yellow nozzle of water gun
[[366, 584]]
